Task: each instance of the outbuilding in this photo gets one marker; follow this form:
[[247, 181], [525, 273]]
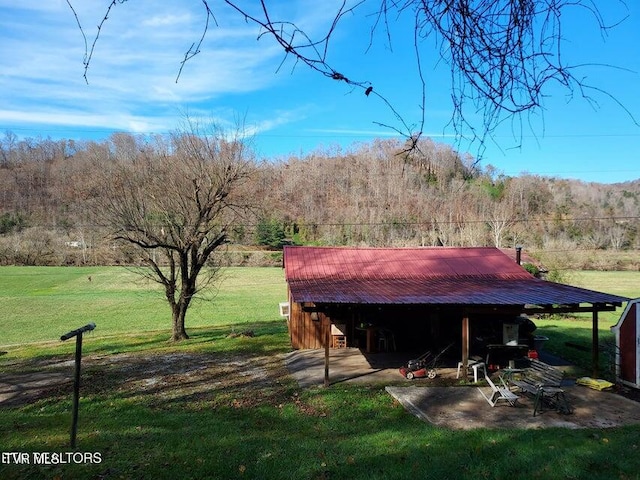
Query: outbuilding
[[627, 333], [423, 298]]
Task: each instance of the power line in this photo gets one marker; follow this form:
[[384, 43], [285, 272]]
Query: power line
[[394, 223]]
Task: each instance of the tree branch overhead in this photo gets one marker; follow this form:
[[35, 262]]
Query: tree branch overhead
[[502, 55]]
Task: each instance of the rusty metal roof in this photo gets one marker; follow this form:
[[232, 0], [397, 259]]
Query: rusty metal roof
[[432, 275]]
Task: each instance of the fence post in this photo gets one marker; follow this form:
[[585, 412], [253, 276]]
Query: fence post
[[76, 382]]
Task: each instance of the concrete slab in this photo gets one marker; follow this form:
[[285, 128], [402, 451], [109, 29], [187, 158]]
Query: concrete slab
[[459, 406], [464, 408], [345, 365]]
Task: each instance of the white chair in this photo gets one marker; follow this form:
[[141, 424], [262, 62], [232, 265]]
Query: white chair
[[474, 365], [499, 393]]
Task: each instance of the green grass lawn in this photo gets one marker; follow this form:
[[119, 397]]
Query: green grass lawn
[[42, 303], [221, 423], [617, 283], [577, 328]]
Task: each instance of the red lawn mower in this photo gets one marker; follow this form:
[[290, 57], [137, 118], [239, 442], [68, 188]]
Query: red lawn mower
[[422, 367]]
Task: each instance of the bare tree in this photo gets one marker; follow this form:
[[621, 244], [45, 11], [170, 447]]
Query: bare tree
[[176, 207], [500, 219], [617, 236], [502, 54]]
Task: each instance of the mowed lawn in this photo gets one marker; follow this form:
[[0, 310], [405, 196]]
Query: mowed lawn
[[222, 406], [41, 303], [576, 329], [626, 284]]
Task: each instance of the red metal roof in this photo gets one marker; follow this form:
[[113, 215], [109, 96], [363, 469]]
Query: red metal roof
[[313, 263], [432, 275]]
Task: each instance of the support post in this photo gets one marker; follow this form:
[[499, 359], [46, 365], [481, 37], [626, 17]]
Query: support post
[[595, 350], [76, 381], [326, 325], [465, 341]]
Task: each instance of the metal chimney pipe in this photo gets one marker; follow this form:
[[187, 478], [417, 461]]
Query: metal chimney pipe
[[519, 255]]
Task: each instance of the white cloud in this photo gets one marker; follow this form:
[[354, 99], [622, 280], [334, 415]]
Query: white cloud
[[134, 64], [167, 20], [132, 75], [114, 121]]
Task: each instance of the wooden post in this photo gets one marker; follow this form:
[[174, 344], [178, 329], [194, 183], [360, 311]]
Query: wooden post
[[595, 350], [326, 324], [465, 341], [76, 384], [76, 392]]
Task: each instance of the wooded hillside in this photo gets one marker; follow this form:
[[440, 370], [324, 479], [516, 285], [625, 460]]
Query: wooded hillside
[[374, 194]]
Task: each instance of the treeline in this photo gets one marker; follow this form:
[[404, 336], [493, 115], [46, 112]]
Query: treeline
[[376, 194]]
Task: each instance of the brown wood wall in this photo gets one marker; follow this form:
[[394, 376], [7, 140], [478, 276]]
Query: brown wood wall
[[304, 332]]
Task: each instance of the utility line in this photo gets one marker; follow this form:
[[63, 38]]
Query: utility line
[[393, 223]]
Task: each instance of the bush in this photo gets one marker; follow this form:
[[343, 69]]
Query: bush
[[10, 222]]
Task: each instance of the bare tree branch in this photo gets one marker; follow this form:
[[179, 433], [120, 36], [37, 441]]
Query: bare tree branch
[[502, 54]]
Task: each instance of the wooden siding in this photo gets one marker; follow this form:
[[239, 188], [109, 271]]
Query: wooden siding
[[304, 332]]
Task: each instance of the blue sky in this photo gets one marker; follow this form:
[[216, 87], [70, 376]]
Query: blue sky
[[290, 109]]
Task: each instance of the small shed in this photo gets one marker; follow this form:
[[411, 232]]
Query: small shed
[[627, 333], [418, 298]]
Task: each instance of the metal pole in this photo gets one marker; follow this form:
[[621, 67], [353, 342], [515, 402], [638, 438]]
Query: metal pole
[[76, 383], [76, 391], [595, 342]]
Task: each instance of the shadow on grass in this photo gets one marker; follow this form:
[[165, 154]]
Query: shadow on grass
[[342, 432], [575, 344], [219, 407], [150, 369], [156, 341]]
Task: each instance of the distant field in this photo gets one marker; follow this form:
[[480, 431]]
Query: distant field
[[42, 303], [626, 284], [618, 283]]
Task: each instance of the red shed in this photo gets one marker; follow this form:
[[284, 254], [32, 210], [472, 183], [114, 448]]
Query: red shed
[[627, 332], [419, 298]]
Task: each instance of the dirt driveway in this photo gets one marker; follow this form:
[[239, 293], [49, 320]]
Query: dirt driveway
[[461, 407], [168, 377]]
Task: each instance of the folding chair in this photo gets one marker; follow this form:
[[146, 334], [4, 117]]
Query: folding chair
[[499, 393]]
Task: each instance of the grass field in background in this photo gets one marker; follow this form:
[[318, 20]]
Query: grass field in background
[[42, 303], [576, 329], [617, 283]]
